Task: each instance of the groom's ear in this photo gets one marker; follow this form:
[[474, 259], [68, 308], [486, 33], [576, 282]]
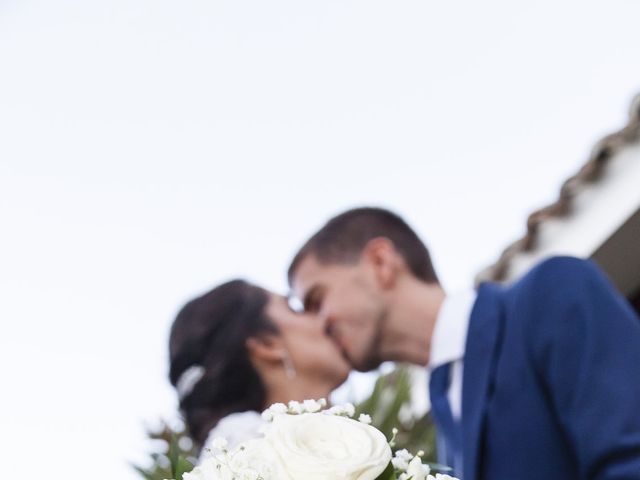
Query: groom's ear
[[384, 259], [267, 348]]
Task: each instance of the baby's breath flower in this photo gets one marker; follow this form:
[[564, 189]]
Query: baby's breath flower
[[401, 459], [416, 470], [311, 406], [364, 418], [295, 407], [220, 443], [404, 454], [278, 408], [275, 409], [410, 466], [335, 410], [346, 410], [349, 409], [399, 463]]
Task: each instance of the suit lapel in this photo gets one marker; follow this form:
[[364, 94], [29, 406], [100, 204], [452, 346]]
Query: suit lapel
[[479, 364]]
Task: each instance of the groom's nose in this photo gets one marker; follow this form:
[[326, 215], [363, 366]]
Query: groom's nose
[[322, 321], [328, 330]]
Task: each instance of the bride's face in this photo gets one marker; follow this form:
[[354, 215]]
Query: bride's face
[[312, 352]]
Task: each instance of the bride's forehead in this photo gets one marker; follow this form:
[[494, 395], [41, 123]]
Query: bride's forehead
[[280, 312], [275, 303], [278, 306]]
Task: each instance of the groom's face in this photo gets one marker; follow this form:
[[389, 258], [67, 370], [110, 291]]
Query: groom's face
[[346, 298]]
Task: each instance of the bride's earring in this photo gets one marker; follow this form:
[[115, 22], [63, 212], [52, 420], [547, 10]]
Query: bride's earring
[[289, 369]]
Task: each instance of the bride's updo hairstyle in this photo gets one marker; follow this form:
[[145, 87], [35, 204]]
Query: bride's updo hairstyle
[[210, 365]]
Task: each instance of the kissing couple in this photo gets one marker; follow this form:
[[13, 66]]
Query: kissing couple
[[537, 379]]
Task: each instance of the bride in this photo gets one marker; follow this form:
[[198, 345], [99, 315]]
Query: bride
[[238, 349]]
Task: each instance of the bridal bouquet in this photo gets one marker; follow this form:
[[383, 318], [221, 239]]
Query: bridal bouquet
[[309, 441]]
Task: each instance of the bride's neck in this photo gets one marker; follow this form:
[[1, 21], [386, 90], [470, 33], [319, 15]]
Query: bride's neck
[[283, 390]]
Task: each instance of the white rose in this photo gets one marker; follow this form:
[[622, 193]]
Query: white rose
[[220, 443], [325, 447]]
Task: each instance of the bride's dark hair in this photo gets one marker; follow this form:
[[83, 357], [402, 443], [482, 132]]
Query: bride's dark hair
[[211, 332]]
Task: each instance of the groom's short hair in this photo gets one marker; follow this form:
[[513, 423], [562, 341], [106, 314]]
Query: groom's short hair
[[343, 238]]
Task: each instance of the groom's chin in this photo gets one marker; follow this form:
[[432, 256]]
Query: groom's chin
[[366, 364]]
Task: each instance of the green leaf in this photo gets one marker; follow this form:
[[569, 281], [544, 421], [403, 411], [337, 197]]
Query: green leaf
[[402, 396], [147, 475], [182, 466], [173, 454], [179, 464], [391, 392], [166, 451]]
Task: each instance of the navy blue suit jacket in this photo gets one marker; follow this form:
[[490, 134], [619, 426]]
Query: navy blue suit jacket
[[551, 383]]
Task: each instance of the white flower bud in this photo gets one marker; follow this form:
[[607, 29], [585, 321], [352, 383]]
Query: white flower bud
[[399, 463], [295, 407], [349, 409], [311, 406], [416, 470], [364, 418], [278, 408], [335, 410], [404, 454]]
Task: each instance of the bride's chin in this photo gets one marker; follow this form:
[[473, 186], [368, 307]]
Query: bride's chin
[[338, 380], [342, 375]]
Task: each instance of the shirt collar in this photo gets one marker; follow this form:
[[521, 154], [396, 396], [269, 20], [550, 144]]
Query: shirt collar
[[450, 331]]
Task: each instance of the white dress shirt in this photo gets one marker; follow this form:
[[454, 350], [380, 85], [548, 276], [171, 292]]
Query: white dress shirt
[[449, 340]]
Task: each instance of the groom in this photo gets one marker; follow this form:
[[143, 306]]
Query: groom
[[537, 380]]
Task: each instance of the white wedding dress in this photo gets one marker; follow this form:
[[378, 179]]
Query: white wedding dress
[[235, 428]]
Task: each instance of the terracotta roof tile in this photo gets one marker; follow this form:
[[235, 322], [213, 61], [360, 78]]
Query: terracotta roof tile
[[588, 174]]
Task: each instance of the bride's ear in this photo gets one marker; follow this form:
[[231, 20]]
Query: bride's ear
[[268, 348]]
